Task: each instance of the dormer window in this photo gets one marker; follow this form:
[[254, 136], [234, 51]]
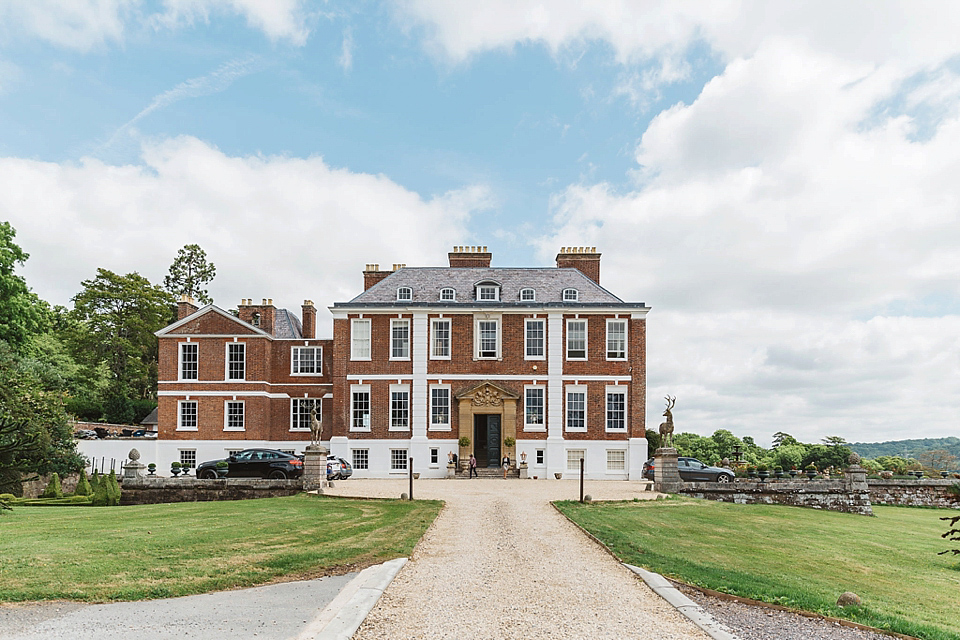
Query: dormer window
[[448, 294], [488, 292], [571, 295], [405, 293], [527, 295]]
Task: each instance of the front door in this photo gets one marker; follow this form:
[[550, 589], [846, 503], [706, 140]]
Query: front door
[[493, 441]]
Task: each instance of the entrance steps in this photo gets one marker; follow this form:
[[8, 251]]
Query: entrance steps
[[488, 472]]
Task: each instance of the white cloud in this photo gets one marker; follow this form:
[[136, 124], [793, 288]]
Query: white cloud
[[276, 227], [85, 24], [346, 52]]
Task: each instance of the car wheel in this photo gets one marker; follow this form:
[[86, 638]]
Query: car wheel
[[278, 475], [209, 474], [723, 478]]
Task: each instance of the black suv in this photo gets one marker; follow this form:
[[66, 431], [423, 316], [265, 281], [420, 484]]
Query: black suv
[[254, 463], [692, 470]]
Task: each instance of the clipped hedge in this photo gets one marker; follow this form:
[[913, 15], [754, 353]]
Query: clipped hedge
[[83, 485], [54, 489]]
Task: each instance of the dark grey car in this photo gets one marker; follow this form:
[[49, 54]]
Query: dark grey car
[[692, 470]]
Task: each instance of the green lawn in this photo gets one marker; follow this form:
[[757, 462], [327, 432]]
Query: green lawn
[[800, 558], [164, 550]]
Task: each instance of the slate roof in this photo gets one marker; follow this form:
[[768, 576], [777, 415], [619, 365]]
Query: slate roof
[[426, 283], [286, 325]]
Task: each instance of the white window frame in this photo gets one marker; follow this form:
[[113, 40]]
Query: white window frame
[[356, 463], [540, 457], [434, 457], [611, 321], [191, 454], [404, 298], [196, 414], [622, 462], [404, 390], [476, 338], [615, 389], [433, 338], [533, 294], [453, 296], [586, 337], [399, 469], [226, 415], [180, 351], [243, 349], [355, 353], [526, 330], [355, 389], [400, 322], [533, 426], [576, 467], [488, 287], [294, 412], [317, 359], [441, 426], [571, 295], [574, 388]]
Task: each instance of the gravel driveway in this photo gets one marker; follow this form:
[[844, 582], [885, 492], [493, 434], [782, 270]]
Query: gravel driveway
[[500, 562]]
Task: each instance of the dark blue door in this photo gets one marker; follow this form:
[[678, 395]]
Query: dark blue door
[[493, 441]]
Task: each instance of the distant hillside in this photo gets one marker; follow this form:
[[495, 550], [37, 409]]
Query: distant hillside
[[906, 448]]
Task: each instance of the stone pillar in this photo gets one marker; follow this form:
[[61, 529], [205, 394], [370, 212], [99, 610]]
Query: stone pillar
[[666, 477], [314, 467], [524, 471]]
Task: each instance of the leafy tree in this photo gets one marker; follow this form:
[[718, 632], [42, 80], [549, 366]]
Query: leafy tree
[[117, 316], [653, 440], [780, 438], [939, 459], [189, 273], [789, 456], [22, 313]]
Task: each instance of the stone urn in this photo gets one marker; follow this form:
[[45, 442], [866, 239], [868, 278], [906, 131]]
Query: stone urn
[[793, 473], [811, 474], [558, 475]]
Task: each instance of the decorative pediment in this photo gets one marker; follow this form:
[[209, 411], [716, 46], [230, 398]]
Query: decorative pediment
[[487, 394], [211, 320]]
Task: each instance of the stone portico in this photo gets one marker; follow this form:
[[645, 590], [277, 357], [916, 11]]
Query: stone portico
[[487, 399]]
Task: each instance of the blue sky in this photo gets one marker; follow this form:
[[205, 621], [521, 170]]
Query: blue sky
[[779, 187]]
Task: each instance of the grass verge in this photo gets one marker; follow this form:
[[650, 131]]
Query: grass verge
[[167, 550], [799, 558]]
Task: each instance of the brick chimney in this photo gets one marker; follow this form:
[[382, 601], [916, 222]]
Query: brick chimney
[[372, 275], [470, 257], [259, 315], [586, 259], [185, 306], [309, 317]]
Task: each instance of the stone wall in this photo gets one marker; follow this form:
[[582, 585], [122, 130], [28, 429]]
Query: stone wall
[[160, 490], [913, 493], [831, 495]]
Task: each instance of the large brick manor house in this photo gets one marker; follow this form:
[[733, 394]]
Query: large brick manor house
[[544, 359]]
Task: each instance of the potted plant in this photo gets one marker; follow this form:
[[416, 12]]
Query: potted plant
[[464, 442], [763, 472], [222, 467], [175, 468], [779, 473], [152, 469], [751, 471], [185, 468], [793, 472], [811, 471], [509, 441]]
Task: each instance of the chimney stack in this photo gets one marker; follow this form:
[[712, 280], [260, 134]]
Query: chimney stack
[[185, 306], [470, 257], [309, 319], [259, 315], [586, 259], [372, 275]]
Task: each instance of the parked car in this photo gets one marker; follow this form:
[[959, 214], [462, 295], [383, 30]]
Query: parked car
[[144, 433], [346, 469], [255, 463], [85, 434], [692, 470], [333, 468]]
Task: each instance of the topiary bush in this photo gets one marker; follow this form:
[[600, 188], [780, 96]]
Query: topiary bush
[[100, 497], [113, 490], [83, 485], [94, 482], [54, 489]]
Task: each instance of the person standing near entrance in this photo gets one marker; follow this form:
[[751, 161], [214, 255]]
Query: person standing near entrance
[[505, 463], [473, 467]]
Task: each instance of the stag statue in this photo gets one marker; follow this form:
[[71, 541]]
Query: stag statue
[[666, 428], [316, 426]]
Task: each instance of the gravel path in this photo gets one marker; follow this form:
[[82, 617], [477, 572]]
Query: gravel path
[[500, 562]]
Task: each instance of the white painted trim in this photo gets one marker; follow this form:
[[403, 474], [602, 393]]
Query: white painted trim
[[227, 392], [575, 388], [226, 360], [445, 426], [353, 351], [399, 322], [293, 429], [317, 358], [620, 389], [487, 317], [586, 340], [432, 342], [180, 426], [399, 388], [180, 346], [626, 340], [477, 376], [226, 414], [263, 382], [361, 388], [543, 407]]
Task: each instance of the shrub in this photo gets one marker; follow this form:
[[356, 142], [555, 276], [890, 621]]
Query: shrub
[[810, 467], [100, 497], [762, 467], [53, 490], [464, 441], [94, 482], [83, 485], [509, 441], [223, 464], [113, 489], [175, 465]]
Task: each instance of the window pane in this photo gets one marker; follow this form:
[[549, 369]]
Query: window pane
[[361, 410], [398, 459], [188, 415], [533, 407], [616, 460], [188, 361], [400, 339], [616, 340], [616, 410], [577, 339], [306, 359], [236, 361], [440, 406], [573, 459], [441, 339], [535, 341], [188, 458], [576, 410], [300, 414], [234, 415], [360, 339], [488, 338], [399, 409], [361, 458]]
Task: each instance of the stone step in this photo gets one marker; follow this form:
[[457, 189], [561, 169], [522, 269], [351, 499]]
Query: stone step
[[489, 472]]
